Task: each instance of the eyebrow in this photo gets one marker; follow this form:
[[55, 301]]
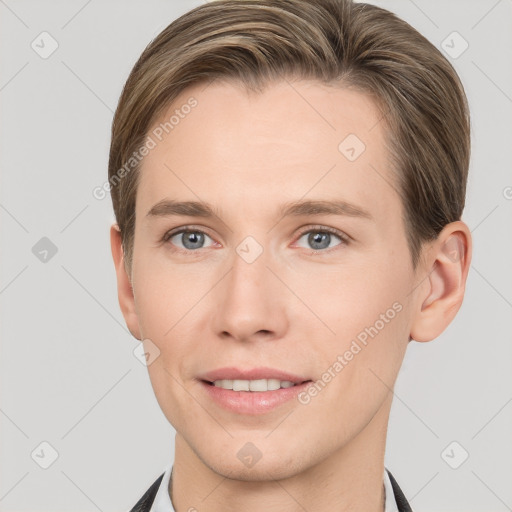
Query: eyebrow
[[169, 207]]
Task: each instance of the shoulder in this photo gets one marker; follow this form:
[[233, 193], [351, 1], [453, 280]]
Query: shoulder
[[144, 504]]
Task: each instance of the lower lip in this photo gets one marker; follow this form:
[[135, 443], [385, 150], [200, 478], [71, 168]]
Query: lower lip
[[252, 402]]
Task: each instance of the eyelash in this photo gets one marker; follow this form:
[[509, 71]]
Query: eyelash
[[345, 239]]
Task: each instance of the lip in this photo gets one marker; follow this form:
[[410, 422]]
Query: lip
[[263, 372], [251, 402]]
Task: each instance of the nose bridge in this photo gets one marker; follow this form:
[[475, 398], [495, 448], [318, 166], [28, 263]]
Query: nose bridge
[[248, 300], [249, 271]]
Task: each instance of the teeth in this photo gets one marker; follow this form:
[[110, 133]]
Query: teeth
[[253, 385]]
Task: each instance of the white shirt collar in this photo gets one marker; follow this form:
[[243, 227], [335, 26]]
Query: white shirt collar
[[162, 502], [390, 503]]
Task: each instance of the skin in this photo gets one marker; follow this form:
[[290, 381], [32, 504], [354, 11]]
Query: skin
[[291, 308]]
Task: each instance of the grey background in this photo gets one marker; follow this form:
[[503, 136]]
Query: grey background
[[68, 373]]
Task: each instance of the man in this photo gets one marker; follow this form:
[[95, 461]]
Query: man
[[288, 179]]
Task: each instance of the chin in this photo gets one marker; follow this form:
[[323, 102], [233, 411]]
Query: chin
[[261, 472]]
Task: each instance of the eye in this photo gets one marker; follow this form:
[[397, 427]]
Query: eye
[[320, 238], [190, 239]]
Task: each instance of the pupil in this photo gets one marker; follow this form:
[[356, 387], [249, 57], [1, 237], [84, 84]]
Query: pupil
[[193, 240], [316, 239]]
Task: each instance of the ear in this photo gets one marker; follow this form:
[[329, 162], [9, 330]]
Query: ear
[[124, 287], [442, 291]]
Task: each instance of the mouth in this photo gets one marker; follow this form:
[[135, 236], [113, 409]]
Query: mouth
[[252, 379], [256, 385], [254, 391]]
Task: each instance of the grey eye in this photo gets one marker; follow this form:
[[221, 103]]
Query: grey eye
[[319, 240], [189, 240]]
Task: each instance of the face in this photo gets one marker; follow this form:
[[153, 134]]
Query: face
[[319, 292]]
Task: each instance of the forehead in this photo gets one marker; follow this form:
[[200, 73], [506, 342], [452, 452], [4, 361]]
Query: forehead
[[220, 142]]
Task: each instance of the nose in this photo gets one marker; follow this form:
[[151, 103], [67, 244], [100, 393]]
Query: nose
[[250, 302]]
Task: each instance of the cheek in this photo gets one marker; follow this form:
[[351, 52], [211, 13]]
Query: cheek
[[171, 311], [367, 315], [359, 360], [164, 295], [354, 297]]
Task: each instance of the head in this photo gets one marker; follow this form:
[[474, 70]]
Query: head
[[251, 107]]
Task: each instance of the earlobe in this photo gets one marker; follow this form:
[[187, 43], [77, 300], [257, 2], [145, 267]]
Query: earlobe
[[441, 295], [124, 287]]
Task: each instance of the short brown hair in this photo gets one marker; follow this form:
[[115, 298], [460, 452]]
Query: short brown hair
[[358, 45]]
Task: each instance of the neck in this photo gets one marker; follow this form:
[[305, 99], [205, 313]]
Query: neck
[[349, 479]]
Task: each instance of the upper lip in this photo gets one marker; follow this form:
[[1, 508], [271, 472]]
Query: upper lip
[[232, 373]]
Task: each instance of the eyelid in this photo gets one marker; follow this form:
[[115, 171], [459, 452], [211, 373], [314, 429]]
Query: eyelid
[[184, 229], [344, 237], [345, 240]]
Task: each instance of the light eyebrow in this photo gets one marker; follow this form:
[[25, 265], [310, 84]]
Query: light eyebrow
[[168, 207], [320, 207]]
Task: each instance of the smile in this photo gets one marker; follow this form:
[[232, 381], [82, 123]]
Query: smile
[[258, 385]]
